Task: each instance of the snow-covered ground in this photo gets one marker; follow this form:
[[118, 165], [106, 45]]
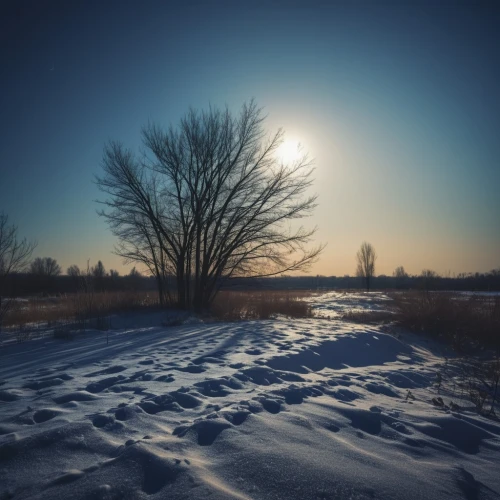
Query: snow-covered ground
[[335, 304], [279, 409]]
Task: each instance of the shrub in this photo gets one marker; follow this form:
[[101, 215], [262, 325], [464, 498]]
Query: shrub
[[235, 305], [464, 320], [371, 317], [478, 380], [82, 309]]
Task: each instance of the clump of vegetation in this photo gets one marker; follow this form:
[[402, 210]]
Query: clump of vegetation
[[85, 309], [471, 324], [466, 321], [475, 379], [237, 305], [483, 378], [14, 257], [370, 317]]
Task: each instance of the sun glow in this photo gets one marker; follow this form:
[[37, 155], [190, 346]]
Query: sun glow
[[289, 151]]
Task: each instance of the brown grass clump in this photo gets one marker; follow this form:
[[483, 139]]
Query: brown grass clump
[[78, 307], [461, 319], [92, 309], [236, 305], [368, 317]]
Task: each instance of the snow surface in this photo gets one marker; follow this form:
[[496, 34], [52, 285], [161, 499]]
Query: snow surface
[[335, 304], [278, 409]]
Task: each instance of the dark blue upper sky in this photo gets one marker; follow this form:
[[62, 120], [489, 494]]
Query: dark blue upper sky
[[397, 101]]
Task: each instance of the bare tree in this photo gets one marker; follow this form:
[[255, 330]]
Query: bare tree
[[76, 276], [400, 272], [401, 276], [74, 271], [15, 254], [85, 299], [428, 279], [365, 259], [211, 201], [134, 273], [98, 271], [46, 267]]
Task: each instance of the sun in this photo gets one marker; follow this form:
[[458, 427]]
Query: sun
[[289, 151]]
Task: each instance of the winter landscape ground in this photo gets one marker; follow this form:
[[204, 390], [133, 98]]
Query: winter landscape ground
[[278, 409]]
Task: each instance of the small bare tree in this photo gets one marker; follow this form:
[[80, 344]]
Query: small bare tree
[[46, 267], [85, 299], [15, 254], [99, 275], [428, 279], [99, 271], [74, 271], [400, 272], [365, 259], [75, 275], [401, 276]]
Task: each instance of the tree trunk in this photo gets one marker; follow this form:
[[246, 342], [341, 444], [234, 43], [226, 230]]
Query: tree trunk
[[161, 295], [181, 290]]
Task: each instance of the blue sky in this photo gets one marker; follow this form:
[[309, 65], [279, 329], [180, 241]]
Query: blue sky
[[398, 104]]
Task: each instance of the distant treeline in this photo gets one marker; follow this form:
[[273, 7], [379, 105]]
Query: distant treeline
[[470, 282], [27, 284]]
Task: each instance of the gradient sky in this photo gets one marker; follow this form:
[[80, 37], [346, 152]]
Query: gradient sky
[[398, 103]]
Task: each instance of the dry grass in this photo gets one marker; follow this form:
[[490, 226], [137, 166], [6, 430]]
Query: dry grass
[[368, 317], [92, 309], [236, 305], [76, 307], [463, 320]]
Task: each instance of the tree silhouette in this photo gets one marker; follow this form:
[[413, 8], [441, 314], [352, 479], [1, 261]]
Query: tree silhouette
[[45, 267], [73, 271], [212, 201], [428, 279], [366, 258], [98, 274], [99, 271], [400, 272], [134, 273]]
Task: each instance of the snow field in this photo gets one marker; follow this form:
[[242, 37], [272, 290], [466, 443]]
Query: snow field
[[278, 409]]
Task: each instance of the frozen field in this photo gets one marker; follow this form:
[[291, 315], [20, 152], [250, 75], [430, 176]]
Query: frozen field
[[333, 305], [279, 409]]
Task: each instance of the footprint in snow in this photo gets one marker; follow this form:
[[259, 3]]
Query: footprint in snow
[[45, 414], [271, 405], [253, 352], [207, 430]]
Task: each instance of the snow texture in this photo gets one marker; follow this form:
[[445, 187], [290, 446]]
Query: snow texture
[[278, 409]]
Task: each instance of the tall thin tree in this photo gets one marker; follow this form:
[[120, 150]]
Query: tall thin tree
[[365, 259]]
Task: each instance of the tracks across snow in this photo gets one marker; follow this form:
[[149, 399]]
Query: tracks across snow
[[271, 409]]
